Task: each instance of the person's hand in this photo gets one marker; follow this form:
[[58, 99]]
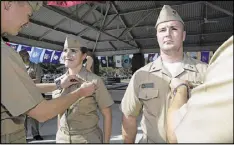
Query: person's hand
[[68, 80], [175, 82], [87, 89], [180, 99]]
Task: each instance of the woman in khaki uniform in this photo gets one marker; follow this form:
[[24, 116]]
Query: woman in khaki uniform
[[79, 124]]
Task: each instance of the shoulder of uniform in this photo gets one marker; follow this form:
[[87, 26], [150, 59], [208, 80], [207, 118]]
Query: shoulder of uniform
[[199, 63], [143, 69], [201, 66], [146, 67], [93, 76]]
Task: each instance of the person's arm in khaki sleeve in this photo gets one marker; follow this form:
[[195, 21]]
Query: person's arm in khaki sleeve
[[104, 102], [48, 109], [180, 98], [26, 99], [56, 94], [131, 107]]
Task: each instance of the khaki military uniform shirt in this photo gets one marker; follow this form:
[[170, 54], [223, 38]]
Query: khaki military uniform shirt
[[208, 115], [19, 94], [81, 117], [149, 91]]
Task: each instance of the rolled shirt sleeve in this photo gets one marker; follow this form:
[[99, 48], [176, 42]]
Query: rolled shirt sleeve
[[131, 104], [19, 93], [102, 95]]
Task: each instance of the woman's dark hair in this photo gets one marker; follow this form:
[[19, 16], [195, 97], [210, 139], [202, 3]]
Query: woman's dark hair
[[5, 39], [83, 49], [90, 50]]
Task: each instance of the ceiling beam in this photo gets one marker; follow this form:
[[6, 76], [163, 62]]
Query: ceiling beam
[[204, 12], [156, 50], [112, 19], [82, 32], [53, 27], [87, 38], [218, 8], [21, 39], [83, 23], [68, 32], [136, 23], [28, 40], [103, 22], [50, 27], [147, 38], [122, 21], [88, 12], [113, 46], [158, 8], [36, 38], [185, 21], [59, 23]]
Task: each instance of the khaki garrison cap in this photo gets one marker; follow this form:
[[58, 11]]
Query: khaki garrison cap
[[168, 14], [36, 5], [71, 42]]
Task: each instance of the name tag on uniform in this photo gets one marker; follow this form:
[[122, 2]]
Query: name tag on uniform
[[147, 85]]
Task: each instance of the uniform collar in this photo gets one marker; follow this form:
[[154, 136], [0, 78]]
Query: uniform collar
[[82, 74], [187, 64]]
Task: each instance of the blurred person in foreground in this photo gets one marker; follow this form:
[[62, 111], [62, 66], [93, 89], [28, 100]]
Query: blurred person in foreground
[[20, 95], [207, 116]]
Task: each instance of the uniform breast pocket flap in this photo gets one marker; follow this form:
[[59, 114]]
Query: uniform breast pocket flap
[[147, 94]]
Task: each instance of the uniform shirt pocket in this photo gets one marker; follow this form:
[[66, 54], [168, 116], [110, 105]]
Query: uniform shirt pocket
[[150, 100], [148, 94]]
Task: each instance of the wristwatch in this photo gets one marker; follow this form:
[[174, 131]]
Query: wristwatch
[[58, 84]]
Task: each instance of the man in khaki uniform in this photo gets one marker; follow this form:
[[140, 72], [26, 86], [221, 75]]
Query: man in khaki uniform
[[20, 95], [149, 90], [207, 117], [79, 124]]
